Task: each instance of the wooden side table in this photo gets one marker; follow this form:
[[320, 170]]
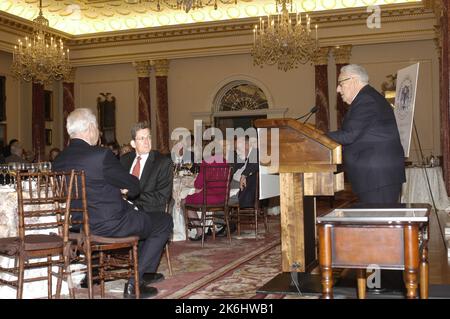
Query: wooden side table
[[390, 238]]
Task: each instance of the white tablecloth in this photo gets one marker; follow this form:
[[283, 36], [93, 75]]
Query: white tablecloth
[[416, 189], [182, 187]]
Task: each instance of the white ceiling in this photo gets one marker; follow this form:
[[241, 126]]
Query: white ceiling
[[80, 17]]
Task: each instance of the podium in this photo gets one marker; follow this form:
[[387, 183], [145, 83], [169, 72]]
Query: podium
[[307, 167]]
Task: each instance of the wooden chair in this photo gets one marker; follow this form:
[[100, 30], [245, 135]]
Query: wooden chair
[[249, 215], [42, 227], [166, 249], [216, 180], [112, 257]]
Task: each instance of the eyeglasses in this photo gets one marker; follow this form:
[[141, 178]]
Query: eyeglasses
[[340, 81], [143, 138]]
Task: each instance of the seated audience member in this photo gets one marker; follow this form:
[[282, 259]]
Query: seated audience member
[[216, 160], [154, 172], [115, 148], [54, 152], [111, 215], [7, 148], [245, 175], [125, 149], [17, 154]]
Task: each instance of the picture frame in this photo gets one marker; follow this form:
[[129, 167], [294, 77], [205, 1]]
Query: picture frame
[[3, 140], [48, 137], [48, 105], [2, 98]]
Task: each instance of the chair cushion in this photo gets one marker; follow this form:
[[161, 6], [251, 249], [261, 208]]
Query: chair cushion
[[10, 246], [113, 240]]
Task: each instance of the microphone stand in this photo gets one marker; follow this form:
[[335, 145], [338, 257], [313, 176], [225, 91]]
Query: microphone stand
[[309, 115]]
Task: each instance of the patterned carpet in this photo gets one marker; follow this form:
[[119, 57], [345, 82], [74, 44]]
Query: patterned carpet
[[219, 270]]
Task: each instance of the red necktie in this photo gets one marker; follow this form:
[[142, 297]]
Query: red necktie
[[137, 167]]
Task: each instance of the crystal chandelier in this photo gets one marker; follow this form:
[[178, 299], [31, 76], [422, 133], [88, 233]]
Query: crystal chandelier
[[185, 5], [282, 40], [41, 58]]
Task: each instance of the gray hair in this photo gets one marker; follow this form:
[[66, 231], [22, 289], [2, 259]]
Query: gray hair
[[137, 127], [358, 71], [78, 121]]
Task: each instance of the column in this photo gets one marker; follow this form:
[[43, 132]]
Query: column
[[38, 122], [341, 57], [322, 100], [68, 101], [144, 107], [162, 106], [444, 20]]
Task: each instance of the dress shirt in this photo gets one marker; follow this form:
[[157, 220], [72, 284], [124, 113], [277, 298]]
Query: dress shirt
[[142, 163]]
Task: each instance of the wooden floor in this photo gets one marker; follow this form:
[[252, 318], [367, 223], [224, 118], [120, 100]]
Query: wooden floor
[[438, 260]]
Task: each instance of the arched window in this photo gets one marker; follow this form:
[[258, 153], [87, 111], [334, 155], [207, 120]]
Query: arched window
[[241, 96]]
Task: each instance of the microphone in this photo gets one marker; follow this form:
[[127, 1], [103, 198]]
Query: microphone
[[313, 110]]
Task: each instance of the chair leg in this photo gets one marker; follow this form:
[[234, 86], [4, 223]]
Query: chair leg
[[49, 277], [239, 221], [169, 264], [88, 256], [203, 228], [227, 222], [20, 279], [60, 279], [256, 224], [101, 263], [136, 271]]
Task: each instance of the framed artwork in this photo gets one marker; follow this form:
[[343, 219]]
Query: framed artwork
[[3, 137], [48, 136], [48, 105], [2, 98]]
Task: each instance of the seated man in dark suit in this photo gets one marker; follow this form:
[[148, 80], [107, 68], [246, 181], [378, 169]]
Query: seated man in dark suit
[[155, 174], [110, 215], [245, 175]]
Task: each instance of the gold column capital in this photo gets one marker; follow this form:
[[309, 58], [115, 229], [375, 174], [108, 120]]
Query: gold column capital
[[321, 57], [71, 76], [142, 68], [161, 67], [342, 54], [438, 39]]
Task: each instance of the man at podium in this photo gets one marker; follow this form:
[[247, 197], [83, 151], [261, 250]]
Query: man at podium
[[372, 152]]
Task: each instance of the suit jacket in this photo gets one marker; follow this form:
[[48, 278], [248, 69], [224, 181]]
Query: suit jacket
[[373, 154], [105, 177], [247, 195], [156, 181]]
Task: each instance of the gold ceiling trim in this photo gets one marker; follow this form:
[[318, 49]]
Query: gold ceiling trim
[[77, 17]]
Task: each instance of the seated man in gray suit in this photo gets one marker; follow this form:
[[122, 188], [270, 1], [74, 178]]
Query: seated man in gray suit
[[154, 172], [110, 215]]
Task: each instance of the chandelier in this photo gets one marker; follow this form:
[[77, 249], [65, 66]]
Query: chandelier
[[283, 40], [185, 5], [41, 58]]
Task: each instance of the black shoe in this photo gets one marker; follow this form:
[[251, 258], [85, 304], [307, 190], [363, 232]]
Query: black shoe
[[152, 277], [197, 238], [222, 232], [146, 291], [84, 281]]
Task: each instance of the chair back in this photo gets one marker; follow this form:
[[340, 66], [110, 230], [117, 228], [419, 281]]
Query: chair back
[[42, 200], [216, 185]]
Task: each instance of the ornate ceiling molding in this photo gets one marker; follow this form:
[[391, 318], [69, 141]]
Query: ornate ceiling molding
[[405, 22]]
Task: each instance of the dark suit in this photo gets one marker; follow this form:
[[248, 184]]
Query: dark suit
[[247, 195], [373, 154], [109, 214], [156, 181]]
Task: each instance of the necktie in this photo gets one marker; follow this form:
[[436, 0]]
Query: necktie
[[137, 167]]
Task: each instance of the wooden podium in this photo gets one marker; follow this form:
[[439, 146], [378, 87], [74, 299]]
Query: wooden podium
[[307, 165]]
